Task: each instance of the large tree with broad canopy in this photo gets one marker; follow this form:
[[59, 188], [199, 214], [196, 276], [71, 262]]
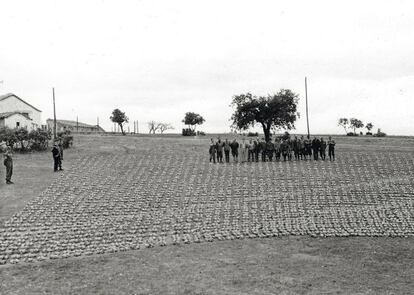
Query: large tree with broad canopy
[[272, 112]]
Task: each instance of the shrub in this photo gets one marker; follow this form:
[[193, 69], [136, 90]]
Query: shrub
[[380, 133], [201, 133], [39, 139], [8, 136], [253, 134], [188, 132], [351, 134], [368, 133]]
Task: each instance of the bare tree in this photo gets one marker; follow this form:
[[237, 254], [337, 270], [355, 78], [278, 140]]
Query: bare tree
[[344, 122], [153, 126], [165, 126]]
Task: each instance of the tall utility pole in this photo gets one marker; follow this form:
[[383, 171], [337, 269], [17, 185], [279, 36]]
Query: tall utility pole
[[307, 114], [54, 115]]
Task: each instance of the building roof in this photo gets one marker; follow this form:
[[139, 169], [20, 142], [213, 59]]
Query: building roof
[[9, 114], [74, 124], [5, 96]]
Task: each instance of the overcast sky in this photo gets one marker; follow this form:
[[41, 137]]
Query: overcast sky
[[156, 60]]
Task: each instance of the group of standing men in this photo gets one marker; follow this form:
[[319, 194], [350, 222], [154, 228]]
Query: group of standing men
[[282, 148]]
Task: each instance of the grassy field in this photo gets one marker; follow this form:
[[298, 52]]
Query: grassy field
[[150, 215]]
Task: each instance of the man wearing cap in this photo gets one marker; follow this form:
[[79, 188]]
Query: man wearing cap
[[331, 149], [212, 151], [263, 149], [316, 145], [308, 147], [322, 150], [227, 150], [8, 162], [219, 147], [56, 157], [235, 150]]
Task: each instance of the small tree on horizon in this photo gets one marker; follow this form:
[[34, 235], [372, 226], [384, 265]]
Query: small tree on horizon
[[120, 118], [153, 127], [192, 120], [344, 122], [369, 127], [165, 126], [355, 124]]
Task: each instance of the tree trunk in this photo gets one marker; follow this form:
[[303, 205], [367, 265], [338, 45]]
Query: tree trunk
[[266, 131], [122, 129]]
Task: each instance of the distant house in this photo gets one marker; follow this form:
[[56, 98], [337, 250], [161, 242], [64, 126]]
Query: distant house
[[73, 126], [17, 113]]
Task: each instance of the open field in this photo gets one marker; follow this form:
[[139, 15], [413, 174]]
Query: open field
[[343, 226]]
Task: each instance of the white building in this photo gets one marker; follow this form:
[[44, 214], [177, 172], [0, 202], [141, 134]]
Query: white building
[[16, 113]]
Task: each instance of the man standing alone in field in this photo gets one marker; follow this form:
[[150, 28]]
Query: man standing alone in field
[[331, 148], [56, 157], [60, 146], [8, 162]]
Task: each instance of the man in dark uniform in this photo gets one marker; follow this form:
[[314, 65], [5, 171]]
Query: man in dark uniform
[[301, 147], [227, 150], [308, 147], [263, 149], [56, 157], [316, 145], [295, 145], [60, 146], [8, 162], [331, 148], [235, 150], [277, 149], [219, 146], [290, 148], [212, 151], [250, 152], [270, 148], [284, 149], [256, 149], [322, 151]]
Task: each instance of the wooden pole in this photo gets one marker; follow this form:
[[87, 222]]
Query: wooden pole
[[307, 113], [54, 115]]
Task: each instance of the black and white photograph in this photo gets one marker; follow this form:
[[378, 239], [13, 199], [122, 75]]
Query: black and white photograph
[[206, 147]]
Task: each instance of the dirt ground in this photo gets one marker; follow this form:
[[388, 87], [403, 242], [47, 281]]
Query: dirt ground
[[277, 265]]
